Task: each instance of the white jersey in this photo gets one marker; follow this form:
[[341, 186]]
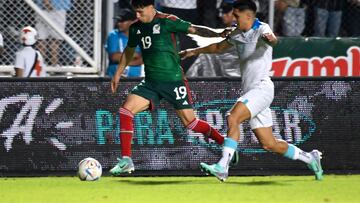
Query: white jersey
[[255, 55], [25, 59]]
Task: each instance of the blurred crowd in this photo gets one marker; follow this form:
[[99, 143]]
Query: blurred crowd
[[292, 18], [323, 18], [320, 18]]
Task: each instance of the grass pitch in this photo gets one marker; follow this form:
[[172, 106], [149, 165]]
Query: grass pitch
[[269, 189]]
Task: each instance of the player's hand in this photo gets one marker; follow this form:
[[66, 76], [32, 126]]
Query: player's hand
[[114, 83], [187, 53], [269, 37], [226, 32]]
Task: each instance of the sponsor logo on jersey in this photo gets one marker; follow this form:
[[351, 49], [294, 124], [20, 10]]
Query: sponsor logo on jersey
[[185, 103], [138, 32], [156, 29]]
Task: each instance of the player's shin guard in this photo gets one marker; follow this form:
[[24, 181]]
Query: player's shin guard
[[126, 131], [203, 127]]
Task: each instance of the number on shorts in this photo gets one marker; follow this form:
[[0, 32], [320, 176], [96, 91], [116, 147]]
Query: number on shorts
[[180, 92]]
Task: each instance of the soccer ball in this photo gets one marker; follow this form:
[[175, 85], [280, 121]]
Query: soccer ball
[[89, 169]]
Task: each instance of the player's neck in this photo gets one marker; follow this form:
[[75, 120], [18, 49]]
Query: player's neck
[[153, 14], [248, 26]]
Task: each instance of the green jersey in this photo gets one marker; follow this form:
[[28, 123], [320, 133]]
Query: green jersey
[[159, 45]]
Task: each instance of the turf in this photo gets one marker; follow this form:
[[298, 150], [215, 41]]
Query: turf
[[267, 189]]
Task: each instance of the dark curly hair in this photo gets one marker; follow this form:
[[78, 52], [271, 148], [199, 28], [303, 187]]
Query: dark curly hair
[[141, 3], [242, 5]]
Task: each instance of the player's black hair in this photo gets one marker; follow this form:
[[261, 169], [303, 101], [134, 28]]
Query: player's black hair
[[226, 7], [141, 3], [242, 5]]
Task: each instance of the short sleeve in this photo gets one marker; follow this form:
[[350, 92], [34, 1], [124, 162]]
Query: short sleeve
[[133, 42], [19, 61], [175, 24], [112, 43], [265, 29]]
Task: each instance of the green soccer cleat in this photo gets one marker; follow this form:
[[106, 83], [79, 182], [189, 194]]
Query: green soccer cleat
[[235, 159], [125, 165], [216, 170], [315, 164]]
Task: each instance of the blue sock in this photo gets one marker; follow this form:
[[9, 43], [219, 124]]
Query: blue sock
[[290, 153], [296, 153], [229, 149], [230, 143]]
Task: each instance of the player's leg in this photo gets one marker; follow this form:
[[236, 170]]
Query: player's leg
[[133, 105], [141, 98], [262, 128], [177, 93], [238, 114], [190, 121], [247, 106]]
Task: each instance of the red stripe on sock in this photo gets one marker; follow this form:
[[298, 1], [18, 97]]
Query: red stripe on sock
[[203, 127]]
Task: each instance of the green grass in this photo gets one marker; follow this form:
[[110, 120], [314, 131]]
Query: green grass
[[268, 189]]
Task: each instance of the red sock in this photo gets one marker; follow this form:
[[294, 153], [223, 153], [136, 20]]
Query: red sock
[[126, 131], [203, 127]]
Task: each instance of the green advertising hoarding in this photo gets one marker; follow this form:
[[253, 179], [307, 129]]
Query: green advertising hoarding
[[316, 57]]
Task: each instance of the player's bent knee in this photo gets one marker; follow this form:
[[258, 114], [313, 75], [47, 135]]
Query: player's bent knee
[[233, 120], [128, 107]]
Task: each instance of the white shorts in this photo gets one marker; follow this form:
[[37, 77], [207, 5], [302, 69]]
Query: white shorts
[[258, 101], [45, 31]]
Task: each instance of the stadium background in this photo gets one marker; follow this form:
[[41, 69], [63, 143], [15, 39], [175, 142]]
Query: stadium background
[[48, 125]]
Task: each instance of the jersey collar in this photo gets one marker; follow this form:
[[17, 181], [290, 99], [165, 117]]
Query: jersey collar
[[256, 24]]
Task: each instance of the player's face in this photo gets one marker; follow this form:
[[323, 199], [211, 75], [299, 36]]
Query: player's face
[[243, 18], [145, 14], [228, 18]]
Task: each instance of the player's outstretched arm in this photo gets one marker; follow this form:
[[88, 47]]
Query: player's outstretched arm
[[211, 49], [270, 39], [126, 58], [203, 31]]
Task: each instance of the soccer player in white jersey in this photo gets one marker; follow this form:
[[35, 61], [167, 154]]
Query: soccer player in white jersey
[[29, 62], [253, 40]]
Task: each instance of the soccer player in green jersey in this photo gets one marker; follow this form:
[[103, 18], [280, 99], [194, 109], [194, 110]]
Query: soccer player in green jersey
[[156, 34]]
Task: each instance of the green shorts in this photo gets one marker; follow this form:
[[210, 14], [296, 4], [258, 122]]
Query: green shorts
[[174, 92]]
